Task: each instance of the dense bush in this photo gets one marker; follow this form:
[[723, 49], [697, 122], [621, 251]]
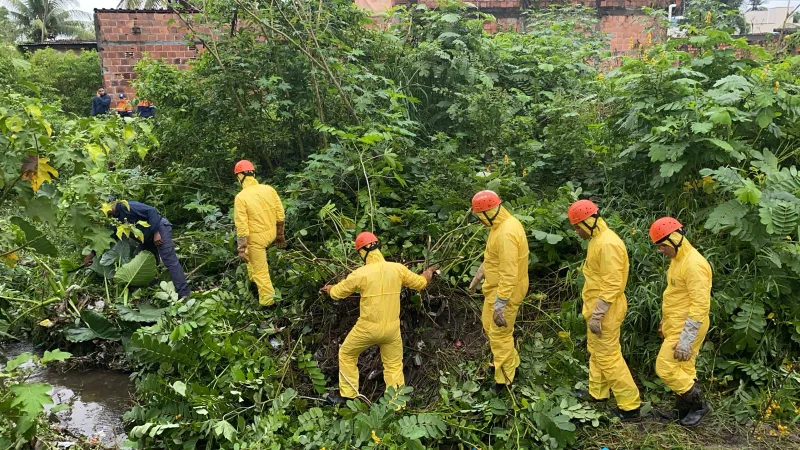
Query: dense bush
[[392, 128]]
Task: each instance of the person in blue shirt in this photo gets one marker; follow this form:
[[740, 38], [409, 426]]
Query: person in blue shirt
[[101, 102], [157, 239]]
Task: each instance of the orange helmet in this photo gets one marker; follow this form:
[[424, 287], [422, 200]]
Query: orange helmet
[[364, 239], [485, 200], [581, 210], [663, 227], [243, 166]]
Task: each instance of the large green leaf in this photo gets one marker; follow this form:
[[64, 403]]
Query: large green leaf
[[139, 272], [726, 215], [31, 397], [55, 355], [34, 238], [99, 327], [146, 313]]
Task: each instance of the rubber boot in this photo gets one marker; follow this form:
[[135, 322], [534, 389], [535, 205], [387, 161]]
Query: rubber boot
[[584, 395], [627, 416], [678, 412], [698, 407], [335, 399]]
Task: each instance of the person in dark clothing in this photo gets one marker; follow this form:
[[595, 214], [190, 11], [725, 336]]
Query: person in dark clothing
[[101, 103], [145, 110], [157, 239]]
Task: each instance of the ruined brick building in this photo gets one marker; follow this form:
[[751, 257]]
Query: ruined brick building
[[124, 36]]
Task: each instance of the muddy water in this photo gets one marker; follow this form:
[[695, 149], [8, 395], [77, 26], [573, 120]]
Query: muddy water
[[97, 398]]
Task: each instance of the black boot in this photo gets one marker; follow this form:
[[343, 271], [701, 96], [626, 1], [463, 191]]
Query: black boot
[[585, 396], [678, 412], [697, 406], [335, 399], [627, 416], [499, 388]]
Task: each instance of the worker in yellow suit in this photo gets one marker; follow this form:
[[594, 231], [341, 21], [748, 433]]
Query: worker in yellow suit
[[259, 218], [604, 307], [505, 267], [684, 319], [379, 282]]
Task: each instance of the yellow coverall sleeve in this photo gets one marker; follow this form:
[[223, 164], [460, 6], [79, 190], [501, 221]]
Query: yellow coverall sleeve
[[412, 280], [612, 272], [280, 214], [240, 217], [698, 283], [508, 275], [346, 287]]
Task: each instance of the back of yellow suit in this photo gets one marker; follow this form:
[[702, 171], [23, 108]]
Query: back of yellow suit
[[688, 294], [606, 273], [256, 212], [505, 266], [379, 282]]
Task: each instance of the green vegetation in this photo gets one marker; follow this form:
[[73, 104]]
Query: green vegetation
[[42, 20], [393, 130]]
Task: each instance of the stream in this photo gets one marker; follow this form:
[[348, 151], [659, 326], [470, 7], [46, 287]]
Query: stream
[[98, 398]]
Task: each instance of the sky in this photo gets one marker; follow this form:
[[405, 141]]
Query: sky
[[89, 5]]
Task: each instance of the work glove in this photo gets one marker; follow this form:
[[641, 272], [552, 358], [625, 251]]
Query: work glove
[[683, 349], [596, 321], [280, 238], [500, 311], [241, 246], [477, 279]]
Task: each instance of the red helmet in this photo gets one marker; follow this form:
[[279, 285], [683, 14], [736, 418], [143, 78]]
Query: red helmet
[[581, 210], [485, 200], [364, 239], [663, 227], [243, 166]]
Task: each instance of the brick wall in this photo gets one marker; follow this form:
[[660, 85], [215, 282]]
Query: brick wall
[[125, 36]]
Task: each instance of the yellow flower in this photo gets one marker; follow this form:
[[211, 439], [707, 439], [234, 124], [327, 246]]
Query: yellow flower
[[633, 230], [630, 43], [600, 76], [178, 416], [663, 54], [708, 17], [767, 67], [563, 334], [777, 85], [46, 323], [649, 38], [489, 169], [505, 158], [771, 315], [375, 438], [524, 172]]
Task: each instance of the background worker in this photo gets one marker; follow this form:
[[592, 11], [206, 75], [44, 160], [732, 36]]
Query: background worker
[[604, 307], [379, 282], [505, 266], [124, 108], [684, 318], [100, 103], [157, 238], [259, 218]]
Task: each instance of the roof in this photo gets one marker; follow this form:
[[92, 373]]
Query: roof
[[123, 10], [63, 42]]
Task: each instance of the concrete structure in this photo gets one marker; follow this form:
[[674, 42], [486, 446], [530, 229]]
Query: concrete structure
[[768, 20]]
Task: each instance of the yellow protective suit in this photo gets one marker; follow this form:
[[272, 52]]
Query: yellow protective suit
[[688, 294], [256, 210], [606, 273], [505, 266], [379, 283]]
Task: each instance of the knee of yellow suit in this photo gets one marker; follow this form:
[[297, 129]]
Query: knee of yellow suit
[[665, 369]]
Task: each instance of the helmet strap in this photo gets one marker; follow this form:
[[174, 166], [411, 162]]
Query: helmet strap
[[491, 219], [367, 249], [592, 227], [671, 242], [244, 176]]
